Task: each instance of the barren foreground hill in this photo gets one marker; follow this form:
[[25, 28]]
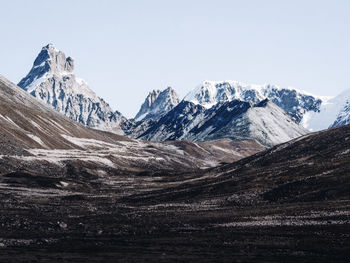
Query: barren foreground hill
[[72, 194]]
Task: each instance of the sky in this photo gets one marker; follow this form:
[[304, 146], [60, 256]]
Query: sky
[[124, 49]]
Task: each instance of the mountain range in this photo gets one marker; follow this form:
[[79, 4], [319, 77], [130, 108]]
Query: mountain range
[[213, 110], [263, 122]]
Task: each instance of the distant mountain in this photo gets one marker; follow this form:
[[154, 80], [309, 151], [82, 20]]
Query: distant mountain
[[37, 139], [157, 103], [296, 103], [52, 81], [264, 122], [312, 112]]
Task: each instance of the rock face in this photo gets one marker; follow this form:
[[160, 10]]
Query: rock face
[[52, 81], [157, 104], [264, 122], [295, 103]]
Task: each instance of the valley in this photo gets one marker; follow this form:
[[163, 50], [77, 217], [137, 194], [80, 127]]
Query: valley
[[227, 174]]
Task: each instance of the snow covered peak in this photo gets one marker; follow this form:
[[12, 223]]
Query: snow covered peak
[[293, 101], [157, 103], [52, 81], [208, 93], [335, 112]]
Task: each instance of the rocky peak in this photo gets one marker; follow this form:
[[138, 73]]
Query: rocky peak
[[157, 103], [49, 61], [56, 59], [52, 81]]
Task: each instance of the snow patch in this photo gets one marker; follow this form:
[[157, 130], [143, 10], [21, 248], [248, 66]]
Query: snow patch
[[36, 138]]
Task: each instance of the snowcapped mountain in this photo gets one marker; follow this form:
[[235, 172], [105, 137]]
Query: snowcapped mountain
[[52, 81], [264, 122], [312, 112], [294, 102], [329, 111], [343, 116], [157, 103]]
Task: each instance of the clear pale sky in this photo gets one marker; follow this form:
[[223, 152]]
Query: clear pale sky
[[124, 49]]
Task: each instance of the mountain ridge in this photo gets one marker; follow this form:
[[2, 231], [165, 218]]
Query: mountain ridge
[[294, 102], [264, 122], [52, 81]]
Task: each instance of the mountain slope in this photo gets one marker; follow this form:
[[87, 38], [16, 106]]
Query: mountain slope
[[52, 81], [289, 203], [175, 124], [35, 135], [264, 122], [295, 103], [157, 103], [327, 114], [312, 168], [343, 117]]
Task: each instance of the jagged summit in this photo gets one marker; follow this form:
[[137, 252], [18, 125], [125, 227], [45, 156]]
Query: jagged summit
[[55, 59], [52, 81], [295, 102], [49, 61], [157, 103]]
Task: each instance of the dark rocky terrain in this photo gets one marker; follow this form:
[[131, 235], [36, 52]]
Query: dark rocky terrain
[[289, 203], [81, 195]]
